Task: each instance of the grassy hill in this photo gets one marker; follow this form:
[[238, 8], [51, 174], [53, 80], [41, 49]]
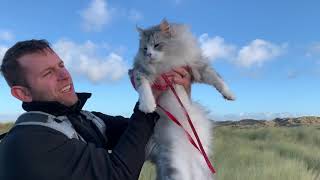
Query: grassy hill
[[4, 127], [281, 149], [277, 122]]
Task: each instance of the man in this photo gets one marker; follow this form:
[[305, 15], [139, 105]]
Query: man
[[38, 77]]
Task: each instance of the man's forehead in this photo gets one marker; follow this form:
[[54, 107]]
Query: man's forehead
[[39, 60]]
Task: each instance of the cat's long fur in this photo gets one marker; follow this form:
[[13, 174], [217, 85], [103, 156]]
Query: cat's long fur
[[163, 47]]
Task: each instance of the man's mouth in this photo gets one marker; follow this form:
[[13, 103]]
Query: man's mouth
[[66, 88]]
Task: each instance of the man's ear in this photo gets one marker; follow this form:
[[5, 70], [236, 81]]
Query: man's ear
[[21, 93]]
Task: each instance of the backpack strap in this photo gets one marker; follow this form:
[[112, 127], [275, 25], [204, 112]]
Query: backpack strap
[[99, 123], [3, 135], [58, 123]]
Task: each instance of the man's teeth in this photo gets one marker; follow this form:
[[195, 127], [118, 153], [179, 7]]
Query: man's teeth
[[65, 89]]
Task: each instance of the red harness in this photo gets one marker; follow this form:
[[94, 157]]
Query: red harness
[[176, 121]]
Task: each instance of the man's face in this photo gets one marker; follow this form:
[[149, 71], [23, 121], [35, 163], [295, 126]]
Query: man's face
[[47, 78]]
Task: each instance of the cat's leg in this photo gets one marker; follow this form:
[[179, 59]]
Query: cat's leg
[[152, 149], [200, 169], [170, 165], [204, 128], [147, 101], [156, 154], [181, 153], [204, 73], [164, 168]]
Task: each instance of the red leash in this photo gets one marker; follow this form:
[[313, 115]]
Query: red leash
[[190, 123], [175, 120]]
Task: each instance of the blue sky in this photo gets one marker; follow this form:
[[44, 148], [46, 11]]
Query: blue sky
[[267, 51]]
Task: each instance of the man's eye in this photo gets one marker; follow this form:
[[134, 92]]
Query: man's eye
[[47, 73]]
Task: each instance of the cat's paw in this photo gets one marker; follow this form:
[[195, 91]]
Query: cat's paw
[[147, 105], [229, 96]]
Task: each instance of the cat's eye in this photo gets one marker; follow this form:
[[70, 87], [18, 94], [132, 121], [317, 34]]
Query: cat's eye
[[158, 46], [145, 49]]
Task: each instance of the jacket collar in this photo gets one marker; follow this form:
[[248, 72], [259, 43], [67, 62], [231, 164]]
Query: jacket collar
[[56, 108]]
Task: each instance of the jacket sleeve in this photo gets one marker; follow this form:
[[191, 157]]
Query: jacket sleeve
[[43, 153]]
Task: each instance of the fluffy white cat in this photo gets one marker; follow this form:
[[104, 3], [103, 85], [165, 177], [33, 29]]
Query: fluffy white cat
[[163, 47]]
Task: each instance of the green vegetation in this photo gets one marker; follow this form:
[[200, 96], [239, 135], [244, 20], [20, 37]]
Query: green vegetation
[[4, 127], [277, 153]]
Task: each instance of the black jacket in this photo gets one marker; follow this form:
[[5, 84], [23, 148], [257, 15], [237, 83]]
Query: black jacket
[[36, 152]]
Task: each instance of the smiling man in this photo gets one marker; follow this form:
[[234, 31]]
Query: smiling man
[[46, 79], [55, 138]]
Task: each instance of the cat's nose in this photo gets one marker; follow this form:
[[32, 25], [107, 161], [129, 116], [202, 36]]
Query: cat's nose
[[148, 54]]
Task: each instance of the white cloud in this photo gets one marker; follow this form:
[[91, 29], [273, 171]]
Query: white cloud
[[6, 35], [134, 15], [314, 49], [257, 52], [83, 59], [96, 15], [113, 67], [292, 74], [317, 48], [215, 48], [3, 50]]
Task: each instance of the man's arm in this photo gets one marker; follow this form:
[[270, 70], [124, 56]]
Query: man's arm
[[115, 127], [38, 152]]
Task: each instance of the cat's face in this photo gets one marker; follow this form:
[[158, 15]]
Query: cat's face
[[152, 47], [155, 42], [165, 46]]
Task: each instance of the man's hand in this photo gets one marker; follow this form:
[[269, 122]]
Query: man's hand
[[181, 75]]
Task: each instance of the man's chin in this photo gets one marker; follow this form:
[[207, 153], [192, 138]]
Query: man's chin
[[69, 102]]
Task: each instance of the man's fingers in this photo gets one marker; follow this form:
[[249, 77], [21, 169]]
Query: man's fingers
[[181, 71], [179, 81], [179, 75]]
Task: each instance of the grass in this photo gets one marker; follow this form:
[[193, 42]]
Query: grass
[[277, 153], [4, 127]]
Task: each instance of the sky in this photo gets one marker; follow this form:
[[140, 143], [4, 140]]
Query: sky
[[268, 51]]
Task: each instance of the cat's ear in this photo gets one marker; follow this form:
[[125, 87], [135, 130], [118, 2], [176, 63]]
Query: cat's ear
[[166, 28], [140, 30]]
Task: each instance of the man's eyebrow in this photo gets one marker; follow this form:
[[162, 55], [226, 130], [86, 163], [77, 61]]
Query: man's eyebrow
[[46, 69], [49, 68]]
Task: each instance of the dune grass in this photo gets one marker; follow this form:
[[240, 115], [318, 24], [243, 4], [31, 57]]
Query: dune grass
[[4, 127], [277, 153]]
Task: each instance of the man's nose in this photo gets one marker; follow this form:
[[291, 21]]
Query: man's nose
[[63, 74]]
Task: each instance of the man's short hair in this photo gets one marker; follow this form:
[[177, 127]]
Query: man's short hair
[[12, 71]]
